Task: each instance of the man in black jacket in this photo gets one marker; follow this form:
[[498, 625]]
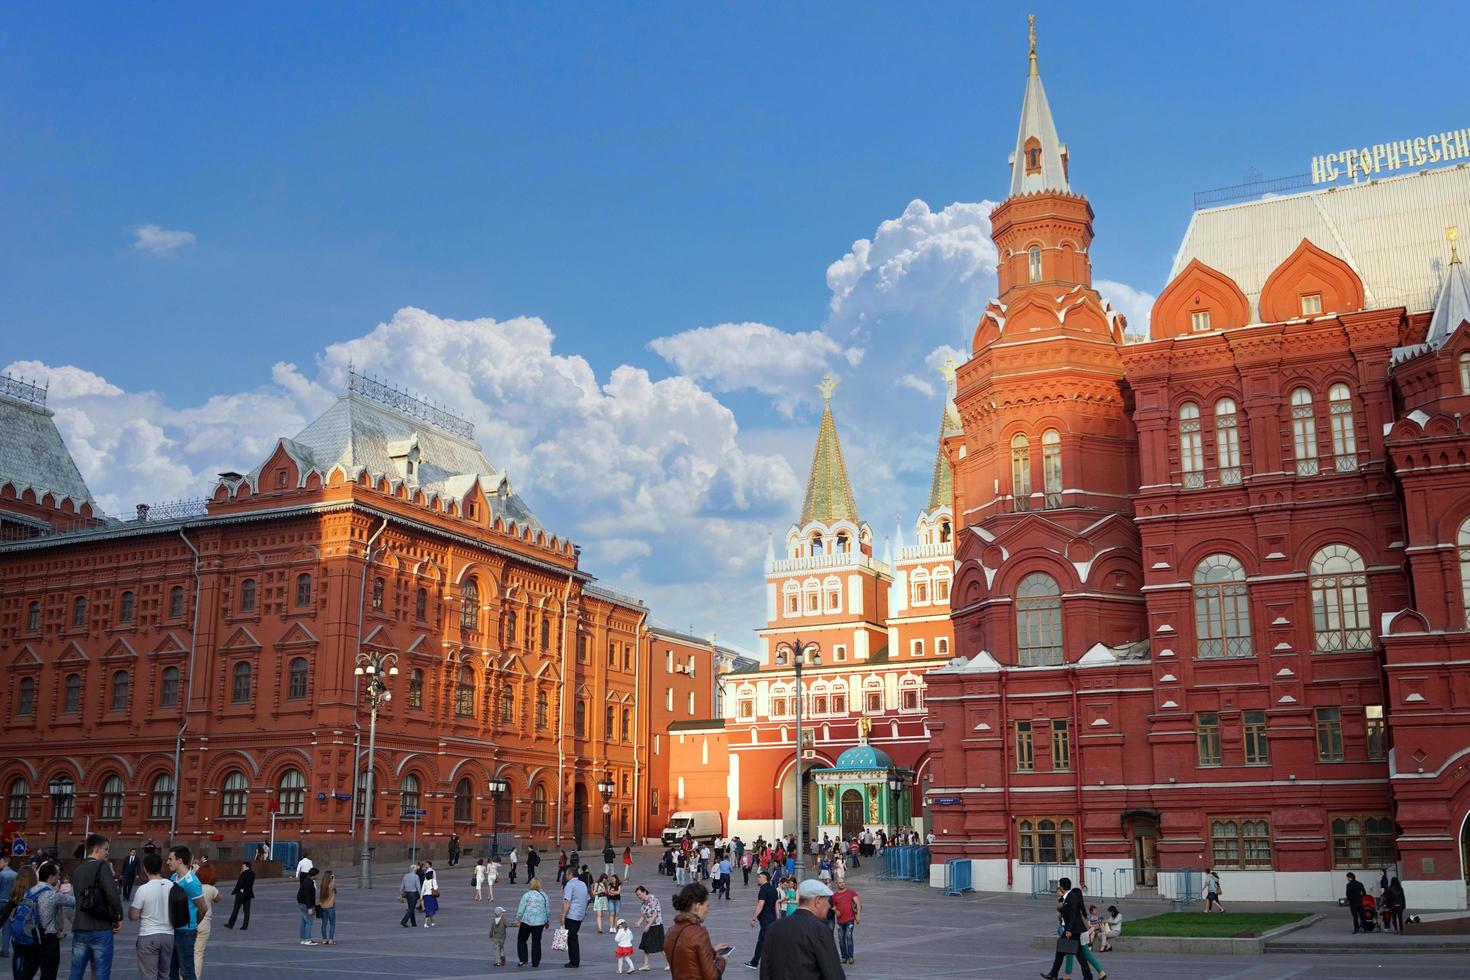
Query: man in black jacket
[[131, 867], [1072, 910], [244, 892], [99, 909], [800, 946], [1355, 892]]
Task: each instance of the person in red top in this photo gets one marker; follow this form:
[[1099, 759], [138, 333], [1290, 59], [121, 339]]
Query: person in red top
[[849, 913]]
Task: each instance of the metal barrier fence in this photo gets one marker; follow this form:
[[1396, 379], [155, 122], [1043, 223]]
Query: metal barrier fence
[[1181, 886], [905, 864], [1044, 878], [960, 876]]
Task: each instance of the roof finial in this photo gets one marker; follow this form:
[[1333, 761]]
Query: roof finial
[[1031, 20], [1452, 234], [826, 387], [947, 369]]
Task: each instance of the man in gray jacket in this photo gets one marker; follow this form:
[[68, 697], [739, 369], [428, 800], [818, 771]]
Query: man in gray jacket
[[99, 911]]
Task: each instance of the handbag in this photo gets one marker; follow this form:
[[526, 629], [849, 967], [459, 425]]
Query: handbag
[[559, 938], [1065, 945]]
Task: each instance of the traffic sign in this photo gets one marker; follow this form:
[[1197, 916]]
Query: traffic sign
[[321, 796], [415, 812], [18, 846]]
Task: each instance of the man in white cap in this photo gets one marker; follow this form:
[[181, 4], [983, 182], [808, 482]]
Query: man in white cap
[[800, 946]]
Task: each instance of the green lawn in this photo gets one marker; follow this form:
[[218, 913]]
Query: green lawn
[[1223, 925]]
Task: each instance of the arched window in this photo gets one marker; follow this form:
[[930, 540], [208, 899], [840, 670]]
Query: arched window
[[464, 801], [240, 686], [940, 585], [161, 798], [366, 794], [839, 698], [1038, 621], [579, 719], [832, 589], [421, 605], [941, 647], [296, 675], [121, 682], [79, 611], [1051, 467], [1344, 439], [609, 718], [63, 798], [176, 602], [543, 710], [125, 608], [628, 724], [1227, 441], [1463, 540], [792, 591], [1021, 471], [379, 587], [17, 800], [1304, 432], [944, 531], [1340, 600], [508, 705], [408, 794], [416, 688], [291, 794], [25, 697], [464, 693], [247, 596], [1191, 447], [232, 797], [1033, 261], [33, 617], [303, 589], [919, 588], [910, 695], [510, 628], [469, 609], [545, 631], [111, 805], [1465, 373], [842, 542], [813, 592], [1222, 615], [538, 805], [71, 701], [168, 688]]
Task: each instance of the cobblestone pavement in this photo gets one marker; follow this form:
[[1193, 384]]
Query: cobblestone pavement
[[908, 931]]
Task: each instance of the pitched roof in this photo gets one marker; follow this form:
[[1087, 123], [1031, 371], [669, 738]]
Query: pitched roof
[[828, 491], [1036, 122], [1453, 305], [1391, 232], [941, 483], [32, 453]]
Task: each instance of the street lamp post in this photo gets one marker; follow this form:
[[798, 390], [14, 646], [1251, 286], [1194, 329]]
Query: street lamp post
[[373, 666], [497, 787], [798, 654], [59, 795], [895, 786], [606, 787]]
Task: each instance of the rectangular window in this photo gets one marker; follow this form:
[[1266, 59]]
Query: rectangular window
[[1061, 744], [1256, 753], [582, 653], [1207, 737], [819, 704], [873, 701], [1362, 841], [1329, 735], [1240, 843], [691, 702], [778, 707], [747, 708], [1025, 750], [668, 699], [1047, 840], [1199, 321], [668, 661], [1373, 721], [1312, 304], [909, 700], [839, 653], [918, 648]]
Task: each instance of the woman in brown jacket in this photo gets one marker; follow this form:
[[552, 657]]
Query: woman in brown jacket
[[687, 947]]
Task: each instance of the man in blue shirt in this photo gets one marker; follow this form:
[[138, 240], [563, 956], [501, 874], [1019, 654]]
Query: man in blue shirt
[[7, 885], [726, 871], [182, 962], [574, 899]]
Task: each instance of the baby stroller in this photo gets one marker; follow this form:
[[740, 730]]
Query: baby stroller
[[1370, 913]]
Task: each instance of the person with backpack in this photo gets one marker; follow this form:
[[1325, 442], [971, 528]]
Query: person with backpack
[[306, 903], [150, 909], [7, 885], [99, 911], [35, 926], [186, 906]]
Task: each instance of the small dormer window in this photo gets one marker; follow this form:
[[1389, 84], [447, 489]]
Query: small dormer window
[[1034, 263], [1312, 304], [1033, 156], [1465, 373], [1199, 321], [280, 478], [410, 467]]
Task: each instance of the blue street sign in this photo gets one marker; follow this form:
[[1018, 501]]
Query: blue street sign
[[321, 796], [342, 796], [414, 812], [945, 801], [18, 846]]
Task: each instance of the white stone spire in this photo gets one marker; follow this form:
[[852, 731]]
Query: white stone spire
[[1040, 160]]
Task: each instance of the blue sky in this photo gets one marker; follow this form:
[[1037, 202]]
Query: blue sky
[[623, 174]]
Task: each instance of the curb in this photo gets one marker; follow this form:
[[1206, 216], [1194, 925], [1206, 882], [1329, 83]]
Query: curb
[[1211, 945]]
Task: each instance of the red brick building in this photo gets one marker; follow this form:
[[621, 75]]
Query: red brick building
[[1209, 603], [184, 674]]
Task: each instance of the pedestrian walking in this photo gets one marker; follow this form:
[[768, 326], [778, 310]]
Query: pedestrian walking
[[515, 857], [181, 961], [651, 921], [623, 945], [478, 877], [244, 894], [326, 907], [1213, 890], [1396, 903], [533, 861], [8, 876], [492, 875], [849, 917], [429, 895], [800, 945], [532, 915], [1355, 893], [763, 915], [149, 908], [131, 866], [609, 860], [615, 895], [1071, 930], [304, 865], [599, 901], [306, 904], [46, 908], [453, 849], [408, 893], [627, 863], [207, 879], [687, 947], [497, 936], [574, 899], [99, 912]]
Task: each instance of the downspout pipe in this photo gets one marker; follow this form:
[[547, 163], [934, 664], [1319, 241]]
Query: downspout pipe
[[1005, 777], [173, 820], [1081, 821], [638, 722], [561, 721]]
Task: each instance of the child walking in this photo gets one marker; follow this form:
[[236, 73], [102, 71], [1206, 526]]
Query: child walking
[[497, 936], [623, 940]]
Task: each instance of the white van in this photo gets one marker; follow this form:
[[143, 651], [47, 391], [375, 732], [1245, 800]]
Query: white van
[[702, 825]]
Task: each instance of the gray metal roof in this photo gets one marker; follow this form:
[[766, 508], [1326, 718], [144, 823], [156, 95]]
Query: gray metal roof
[[1391, 232], [1453, 307], [1036, 121], [32, 453]]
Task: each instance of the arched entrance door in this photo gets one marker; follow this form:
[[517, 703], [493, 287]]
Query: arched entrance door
[[810, 802], [1465, 851], [852, 813], [579, 814], [1143, 833]]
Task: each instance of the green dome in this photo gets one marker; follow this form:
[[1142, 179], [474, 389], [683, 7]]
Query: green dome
[[864, 757]]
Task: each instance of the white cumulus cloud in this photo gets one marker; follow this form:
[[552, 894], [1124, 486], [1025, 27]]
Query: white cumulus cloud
[[152, 238]]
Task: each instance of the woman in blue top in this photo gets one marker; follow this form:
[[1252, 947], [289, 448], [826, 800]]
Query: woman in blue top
[[533, 913]]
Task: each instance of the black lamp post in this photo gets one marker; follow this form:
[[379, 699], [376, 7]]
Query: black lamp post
[[798, 654], [375, 692], [606, 787], [895, 786], [498, 787], [60, 795]]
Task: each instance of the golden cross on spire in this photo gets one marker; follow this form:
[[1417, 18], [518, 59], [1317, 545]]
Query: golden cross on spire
[[1031, 21], [827, 386], [1452, 235], [947, 369]]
